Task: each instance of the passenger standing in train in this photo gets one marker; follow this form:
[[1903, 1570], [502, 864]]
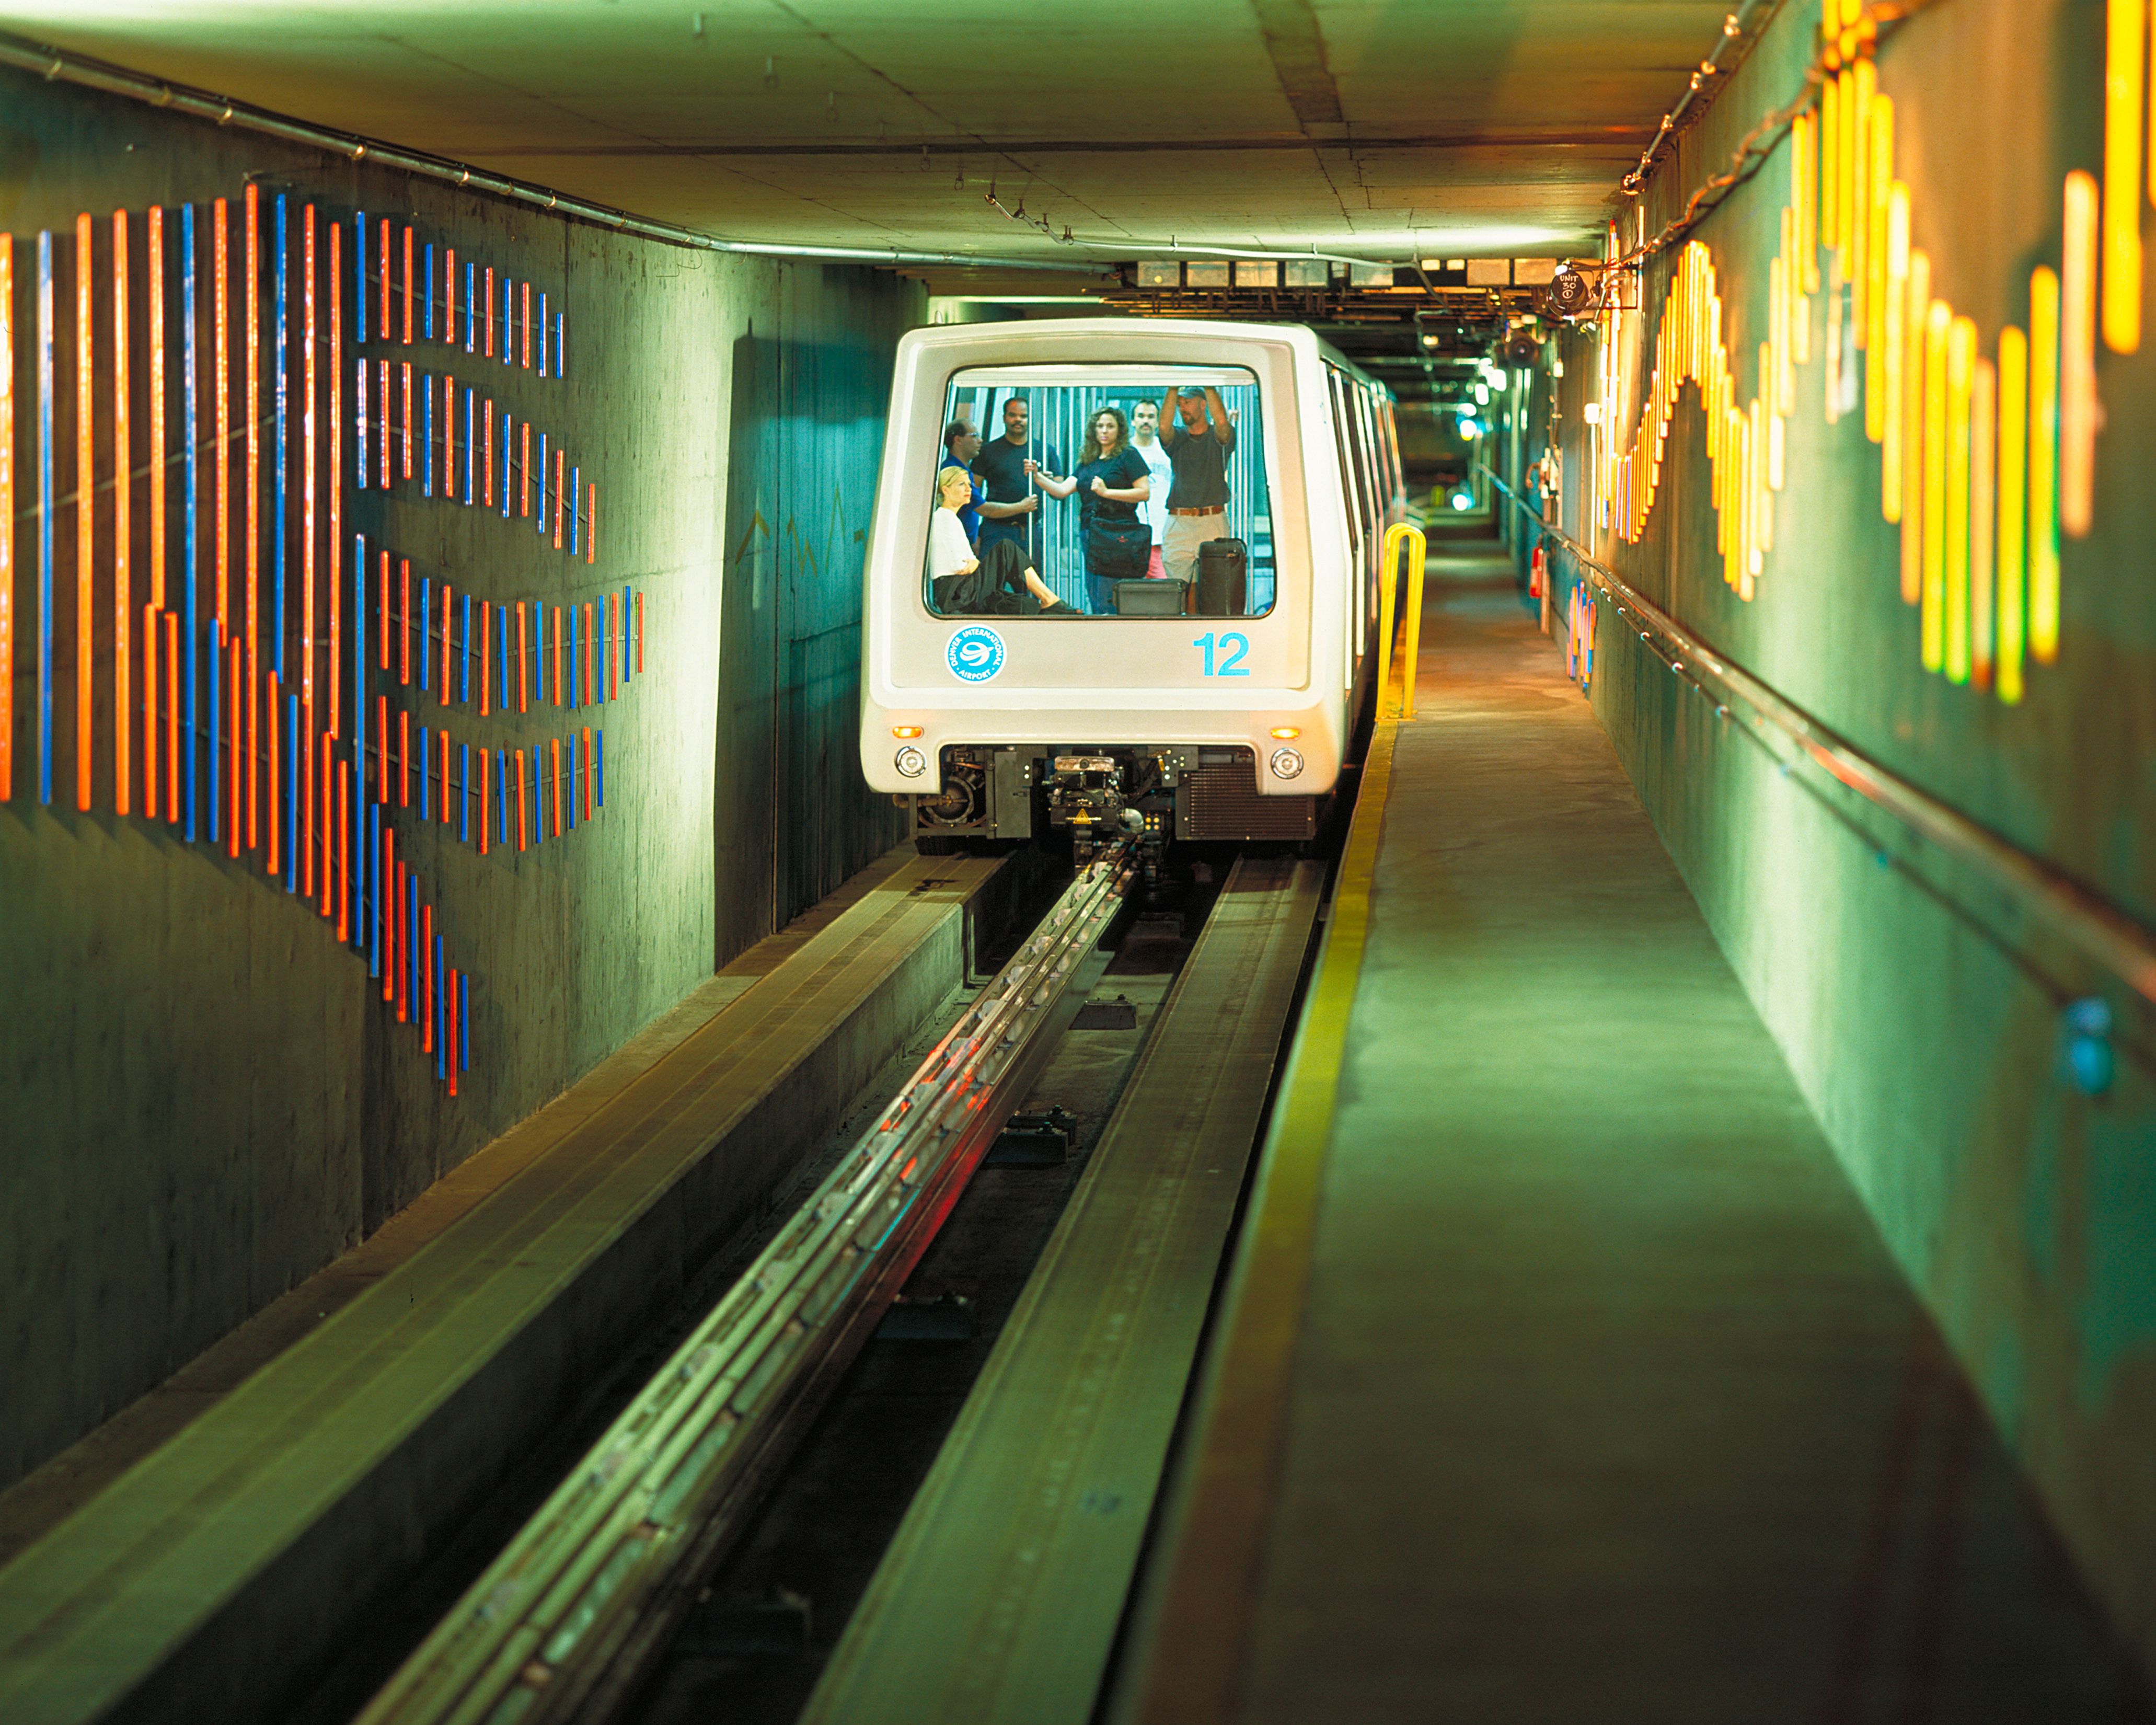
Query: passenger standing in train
[[1199, 439], [961, 444], [1145, 438], [1112, 480], [1010, 509]]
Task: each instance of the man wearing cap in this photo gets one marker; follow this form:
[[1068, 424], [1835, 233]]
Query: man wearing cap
[[1199, 437]]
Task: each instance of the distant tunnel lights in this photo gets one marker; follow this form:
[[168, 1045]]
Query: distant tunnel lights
[[1463, 498]]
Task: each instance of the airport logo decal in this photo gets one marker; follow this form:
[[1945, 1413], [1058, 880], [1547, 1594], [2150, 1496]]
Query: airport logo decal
[[975, 654]]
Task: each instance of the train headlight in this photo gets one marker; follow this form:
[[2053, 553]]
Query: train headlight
[[910, 762], [1287, 764]]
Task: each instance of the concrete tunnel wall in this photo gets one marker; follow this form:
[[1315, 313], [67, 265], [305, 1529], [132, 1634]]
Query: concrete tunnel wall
[[1921, 1014], [208, 1100]]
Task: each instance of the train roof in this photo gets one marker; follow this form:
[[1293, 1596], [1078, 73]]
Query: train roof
[[1007, 339]]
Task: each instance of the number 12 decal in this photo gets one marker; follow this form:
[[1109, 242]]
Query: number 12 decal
[[1232, 648]]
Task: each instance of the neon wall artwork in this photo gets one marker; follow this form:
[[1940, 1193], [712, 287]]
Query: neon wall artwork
[[1987, 461], [291, 767]]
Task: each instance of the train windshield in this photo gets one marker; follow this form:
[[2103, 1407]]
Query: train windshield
[[1100, 492]]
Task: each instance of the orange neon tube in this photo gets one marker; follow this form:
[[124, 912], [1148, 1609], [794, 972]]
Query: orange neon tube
[[382, 443], [382, 612], [407, 442], [2077, 398], [408, 297], [253, 303], [156, 275], [592, 524], [557, 656], [172, 717], [404, 760], [524, 466], [221, 300], [558, 458], [587, 646], [7, 516], [442, 802], [526, 319], [485, 657], [123, 523], [343, 849], [489, 311], [382, 324], [523, 810], [443, 692], [381, 757], [554, 746], [449, 295], [327, 779], [336, 469], [272, 779], [489, 453], [404, 622], [391, 898], [85, 496], [523, 660], [234, 746], [149, 709]]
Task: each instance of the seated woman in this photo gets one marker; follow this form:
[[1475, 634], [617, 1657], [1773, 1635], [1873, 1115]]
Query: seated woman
[[1111, 479], [966, 584]]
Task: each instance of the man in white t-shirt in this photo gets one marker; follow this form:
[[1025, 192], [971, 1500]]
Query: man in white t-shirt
[[1145, 438]]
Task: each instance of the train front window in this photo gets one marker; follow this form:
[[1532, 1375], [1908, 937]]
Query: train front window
[[1100, 492]]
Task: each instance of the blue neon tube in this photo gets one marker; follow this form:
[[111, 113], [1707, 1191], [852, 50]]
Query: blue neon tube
[[44, 520]]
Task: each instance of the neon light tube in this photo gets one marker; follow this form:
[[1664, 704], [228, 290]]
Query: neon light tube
[[505, 424], [576, 493], [598, 764], [489, 346], [485, 658], [190, 521], [408, 301], [471, 447], [1982, 429], [1893, 352], [272, 710], [542, 333], [1961, 366], [523, 812], [85, 518], [291, 793], [592, 524], [1879, 396], [359, 418], [44, 516], [221, 362], [254, 302], [465, 655], [541, 524], [6, 517], [172, 717], [560, 360], [558, 498], [406, 451], [359, 280], [2043, 630], [489, 453], [1939, 321], [335, 474], [426, 775], [485, 803], [426, 627], [2124, 69], [449, 295], [428, 309], [404, 622], [523, 660], [471, 308], [427, 438], [526, 326], [280, 511], [2077, 399], [374, 892], [216, 745], [308, 444], [524, 462], [358, 650], [1914, 316], [384, 324], [2012, 542], [449, 633]]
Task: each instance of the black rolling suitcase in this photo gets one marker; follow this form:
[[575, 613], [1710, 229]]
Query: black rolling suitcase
[[1223, 579]]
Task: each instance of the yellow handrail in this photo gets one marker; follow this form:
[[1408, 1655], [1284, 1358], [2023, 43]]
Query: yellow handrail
[[1417, 549]]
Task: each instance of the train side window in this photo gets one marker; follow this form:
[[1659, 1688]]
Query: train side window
[[1350, 476], [1083, 504]]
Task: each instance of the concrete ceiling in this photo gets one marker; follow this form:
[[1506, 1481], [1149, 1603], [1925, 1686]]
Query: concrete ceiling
[[1382, 129]]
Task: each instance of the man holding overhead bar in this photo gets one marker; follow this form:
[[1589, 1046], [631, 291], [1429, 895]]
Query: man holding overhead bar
[[1199, 437], [1011, 509]]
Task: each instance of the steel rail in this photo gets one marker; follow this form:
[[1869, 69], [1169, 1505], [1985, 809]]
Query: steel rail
[[560, 1624], [2094, 926]]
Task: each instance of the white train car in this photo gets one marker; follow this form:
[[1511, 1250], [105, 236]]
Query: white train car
[[1220, 710]]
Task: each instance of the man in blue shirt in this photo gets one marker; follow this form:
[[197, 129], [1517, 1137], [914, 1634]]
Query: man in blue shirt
[[961, 444], [1011, 509]]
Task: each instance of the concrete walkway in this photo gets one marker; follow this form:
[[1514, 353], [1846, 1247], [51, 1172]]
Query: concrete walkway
[[1609, 1405]]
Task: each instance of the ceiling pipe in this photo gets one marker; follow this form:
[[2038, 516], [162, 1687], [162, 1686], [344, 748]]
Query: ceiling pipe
[[56, 66]]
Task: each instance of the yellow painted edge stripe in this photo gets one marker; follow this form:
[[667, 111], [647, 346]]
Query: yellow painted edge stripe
[[1193, 1653]]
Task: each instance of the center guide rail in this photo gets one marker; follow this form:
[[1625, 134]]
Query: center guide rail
[[560, 1625]]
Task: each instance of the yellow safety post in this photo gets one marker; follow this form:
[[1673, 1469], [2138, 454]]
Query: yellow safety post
[[1417, 550]]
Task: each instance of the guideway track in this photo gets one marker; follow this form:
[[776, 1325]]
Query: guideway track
[[561, 1625]]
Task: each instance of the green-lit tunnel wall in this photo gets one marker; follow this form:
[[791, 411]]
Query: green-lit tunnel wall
[[208, 1097], [1921, 1008]]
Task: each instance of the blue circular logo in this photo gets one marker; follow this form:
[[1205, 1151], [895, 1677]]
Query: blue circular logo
[[975, 654]]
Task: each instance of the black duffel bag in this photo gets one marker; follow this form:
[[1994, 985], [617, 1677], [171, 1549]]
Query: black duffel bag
[[1118, 547]]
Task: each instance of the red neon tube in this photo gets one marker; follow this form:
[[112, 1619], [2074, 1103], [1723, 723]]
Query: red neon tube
[[442, 690], [524, 460], [557, 656], [383, 325], [403, 760], [85, 496], [382, 394], [149, 708], [123, 528], [233, 743], [328, 780], [489, 498], [254, 302], [489, 311], [155, 272], [523, 810], [450, 1005], [441, 802], [556, 750], [343, 852], [404, 622], [406, 446], [382, 610], [407, 319], [381, 749], [523, 661], [385, 911], [426, 979], [592, 525], [221, 299], [485, 656], [336, 486], [449, 296]]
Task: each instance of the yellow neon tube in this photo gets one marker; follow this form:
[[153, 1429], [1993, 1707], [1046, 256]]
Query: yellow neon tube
[[1830, 164], [1878, 197], [1983, 429], [1894, 347], [1804, 169], [1961, 365], [1864, 77], [1939, 319], [2123, 71], [1912, 428], [1844, 174], [2043, 464], [2013, 514]]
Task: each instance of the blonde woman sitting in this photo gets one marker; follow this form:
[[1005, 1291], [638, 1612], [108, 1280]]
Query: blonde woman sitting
[[964, 583]]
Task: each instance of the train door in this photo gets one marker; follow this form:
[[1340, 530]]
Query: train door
[[1356, 576]]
